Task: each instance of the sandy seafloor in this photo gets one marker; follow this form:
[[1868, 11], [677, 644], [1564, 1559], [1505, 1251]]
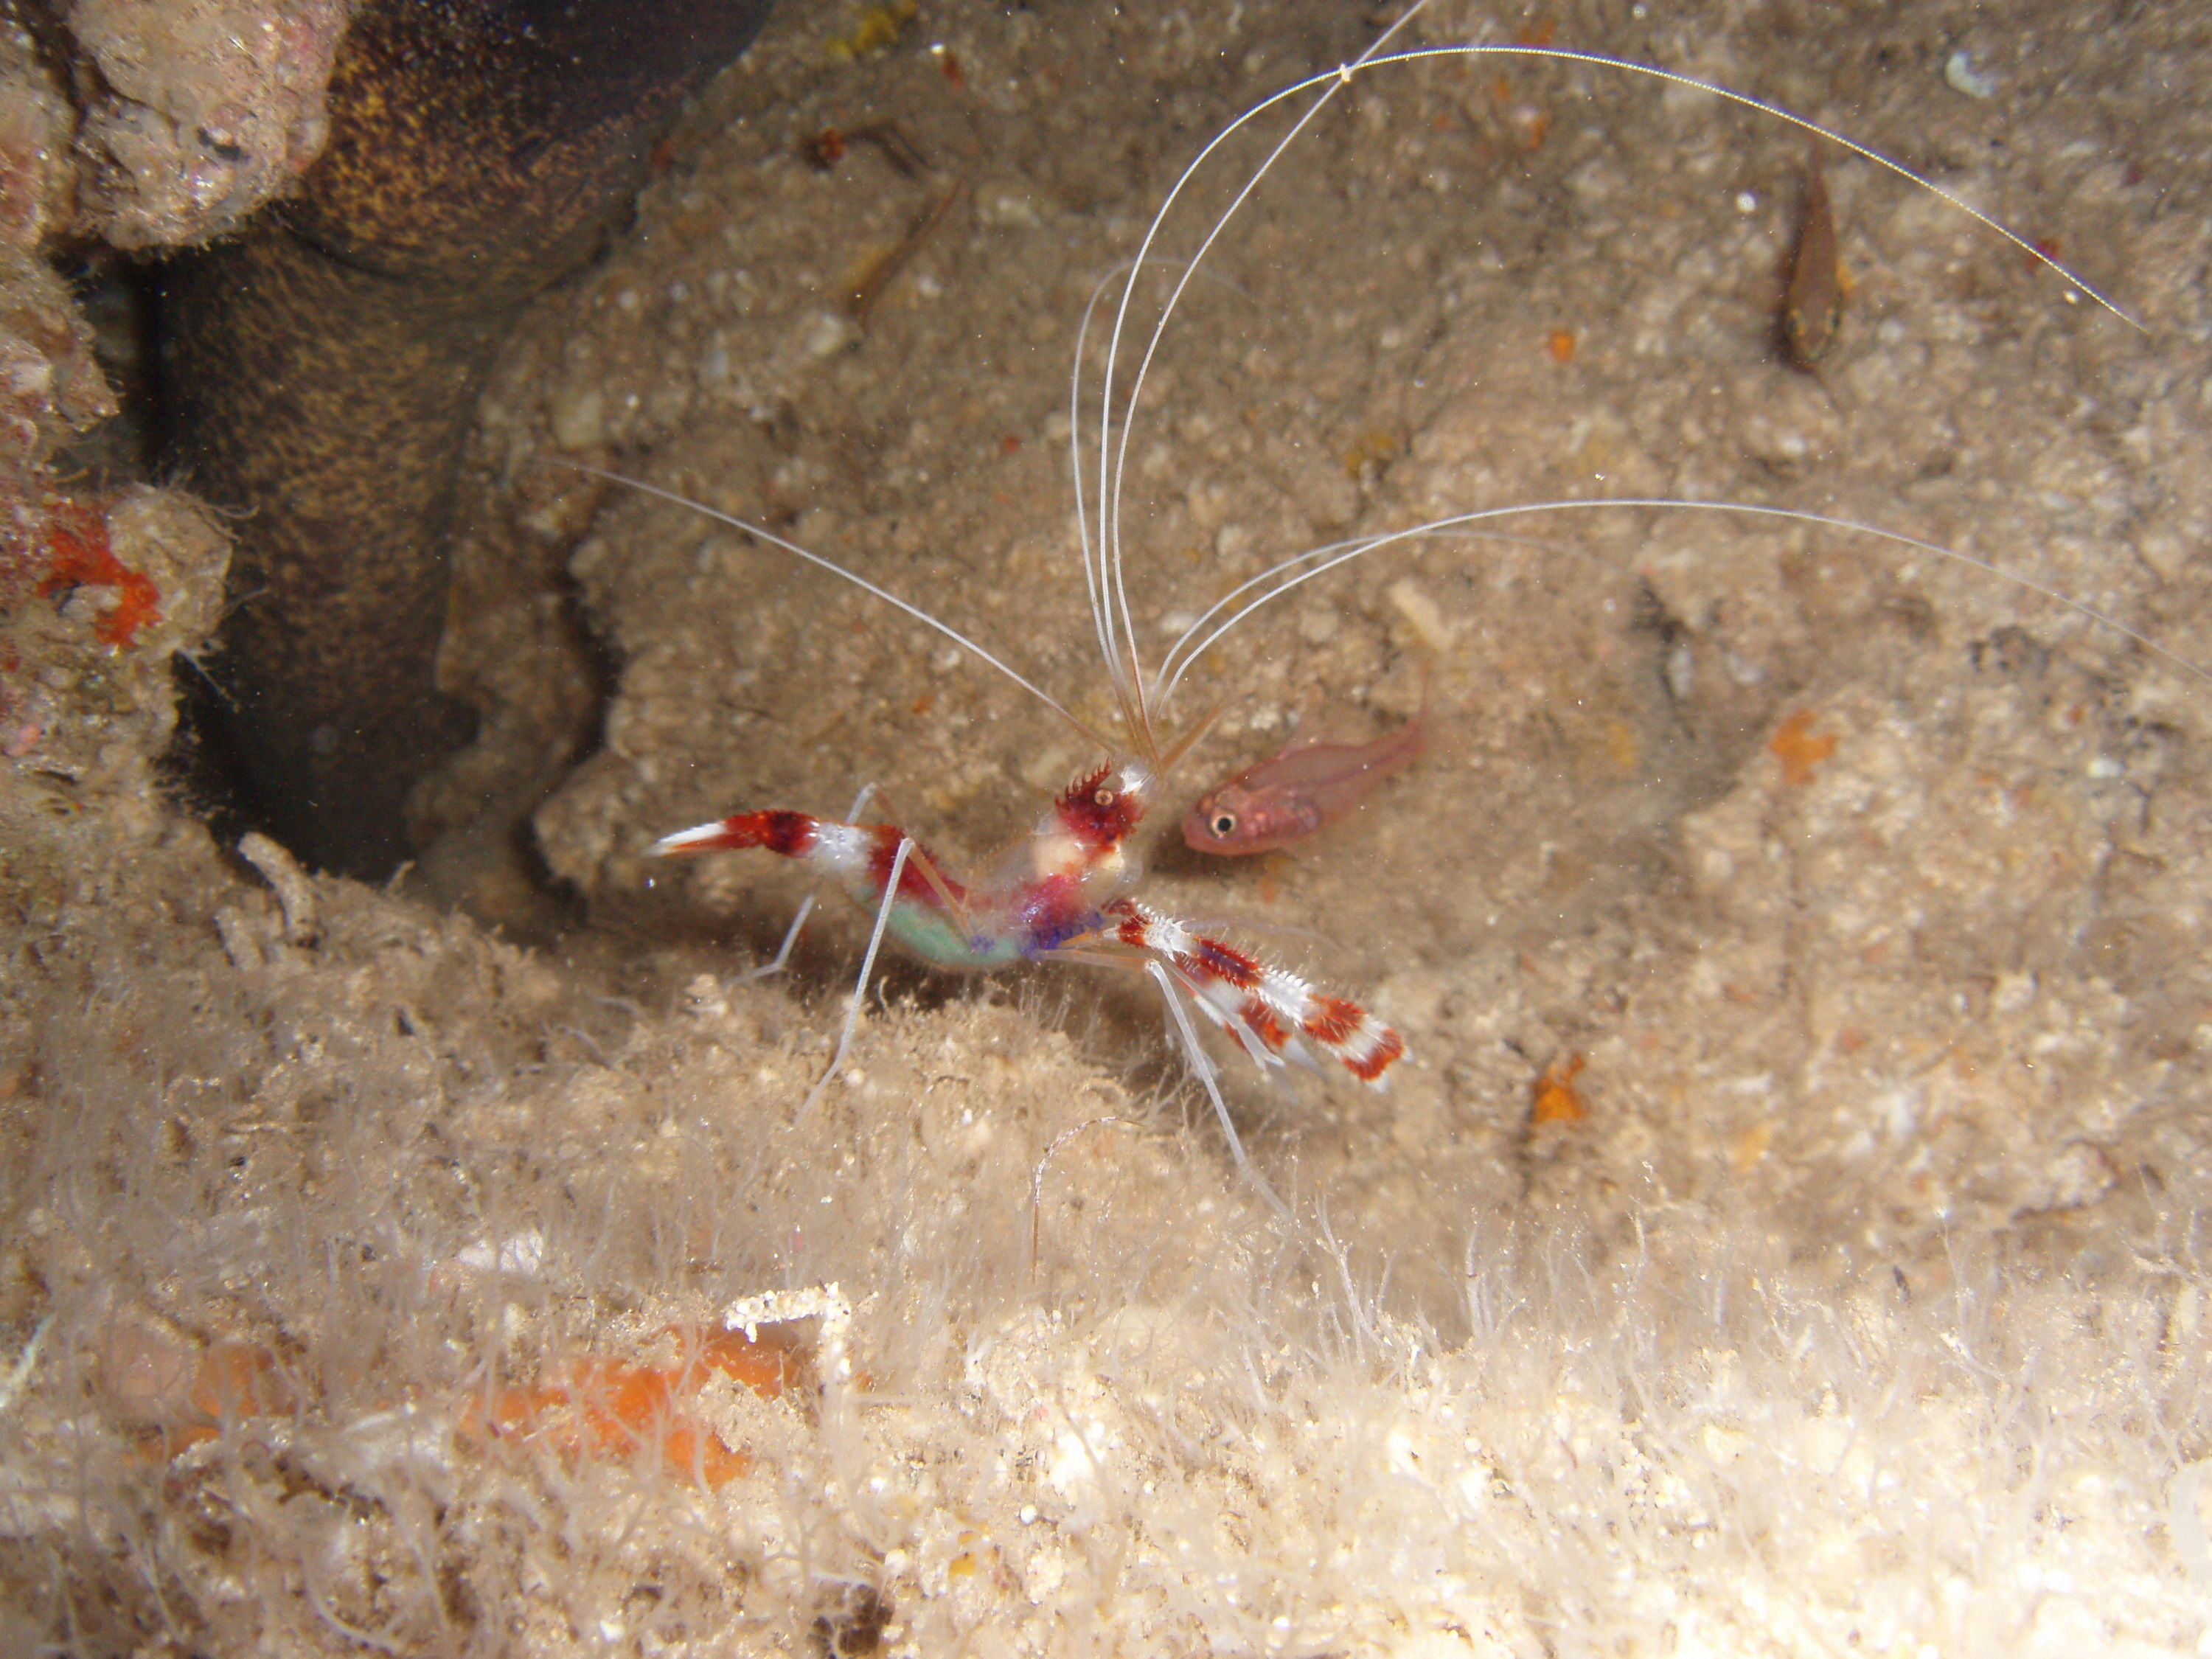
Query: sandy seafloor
[[1860, 1311], [1944, 979]]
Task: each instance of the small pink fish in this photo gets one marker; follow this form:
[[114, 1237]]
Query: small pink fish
[[1302, 789]]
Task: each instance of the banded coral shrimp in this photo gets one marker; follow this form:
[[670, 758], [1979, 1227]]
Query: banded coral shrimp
[[1611, 868]]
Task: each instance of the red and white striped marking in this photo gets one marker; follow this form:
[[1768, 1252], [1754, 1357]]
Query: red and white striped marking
[[1266, 1009], [854, 852]]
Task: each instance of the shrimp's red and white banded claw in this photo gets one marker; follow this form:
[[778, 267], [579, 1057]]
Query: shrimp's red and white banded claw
[[1266, 1009]]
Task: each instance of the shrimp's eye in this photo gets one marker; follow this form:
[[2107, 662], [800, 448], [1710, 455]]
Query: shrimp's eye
[[1105, 797], [1224, 825]]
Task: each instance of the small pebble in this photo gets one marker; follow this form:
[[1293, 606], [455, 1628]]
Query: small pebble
[[1961, 76], [1420, 610]]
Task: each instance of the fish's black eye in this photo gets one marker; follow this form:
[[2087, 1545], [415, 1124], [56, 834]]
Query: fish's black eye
[[1224, 824]]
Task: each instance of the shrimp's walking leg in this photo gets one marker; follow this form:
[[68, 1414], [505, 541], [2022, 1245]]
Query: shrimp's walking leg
[[1267, 1010], [867, 969], [866, 856], [1201, 1065]]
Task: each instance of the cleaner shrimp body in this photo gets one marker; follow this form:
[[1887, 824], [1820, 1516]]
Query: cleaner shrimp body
[[1061, 895]]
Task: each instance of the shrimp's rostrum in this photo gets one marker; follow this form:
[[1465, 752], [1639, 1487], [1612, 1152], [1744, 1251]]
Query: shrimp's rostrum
[[1610, 862]]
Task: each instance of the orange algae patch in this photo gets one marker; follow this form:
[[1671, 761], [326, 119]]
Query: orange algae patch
[[1374, 449], [1270, 888], [1749, 1148], [596, 1406], [79, 557], [230, 1382], [1556, 1098], [1794, 744], [1560, 343], [603, 1407], [1533, 122]]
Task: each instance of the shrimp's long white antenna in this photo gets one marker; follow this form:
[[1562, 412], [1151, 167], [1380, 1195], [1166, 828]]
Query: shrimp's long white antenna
[[1126, 670], [1320, 562], [1094, 571], [1102, 566], [761, 533], [1674, 77], [1109, 494], [1108, 601], [1172, 665], [1746, 100], [1102, 619]]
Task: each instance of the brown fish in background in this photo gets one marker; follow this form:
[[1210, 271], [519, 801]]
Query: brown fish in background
[[1301, 789], [1813, 304]]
